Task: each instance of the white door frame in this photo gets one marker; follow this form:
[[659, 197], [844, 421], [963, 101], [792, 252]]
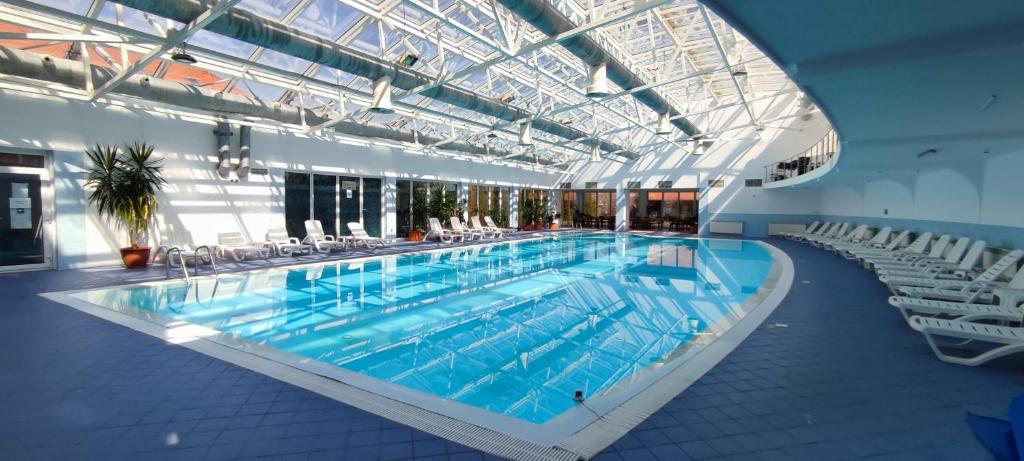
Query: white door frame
[[46, 197]]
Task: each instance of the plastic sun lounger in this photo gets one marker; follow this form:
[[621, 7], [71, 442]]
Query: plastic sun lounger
[[472, 234], [934, 258], [1008, 308], [285, 245], [914, 252], [939, 275], [443, 235], [808, 229], [492, 232], [968, 291], [893, 246], [924, 266], [235, 246], [855, 235], [836, 232], [893, 254], [504, 230], [1008, 340], [359, 235], [879, 240], [824, 229], [321, 242]]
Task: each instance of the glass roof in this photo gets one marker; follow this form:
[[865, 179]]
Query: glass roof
[[685, 54]]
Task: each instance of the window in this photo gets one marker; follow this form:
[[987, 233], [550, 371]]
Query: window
[[333, 200], [716, 183], [753, 183], [590, 185], [664, 184], [633, 185]]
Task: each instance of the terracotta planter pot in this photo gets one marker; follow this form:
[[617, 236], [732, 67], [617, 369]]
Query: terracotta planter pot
[[553, 226], [135, 258], [415, 235]]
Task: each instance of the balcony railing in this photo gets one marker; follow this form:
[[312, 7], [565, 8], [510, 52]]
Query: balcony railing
[[809, 160]]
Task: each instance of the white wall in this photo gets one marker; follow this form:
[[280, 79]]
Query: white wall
[[980, 199], [196, 205], [737, 155]]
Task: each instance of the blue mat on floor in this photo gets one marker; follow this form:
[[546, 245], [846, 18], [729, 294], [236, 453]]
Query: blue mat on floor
[[1005, 439]]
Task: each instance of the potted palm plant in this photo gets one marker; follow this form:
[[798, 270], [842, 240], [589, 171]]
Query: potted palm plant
[[123, 186], [420, 214]]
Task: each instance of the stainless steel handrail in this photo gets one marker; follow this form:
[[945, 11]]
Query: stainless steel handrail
[[209, 253], [809, 160], [167, 263]]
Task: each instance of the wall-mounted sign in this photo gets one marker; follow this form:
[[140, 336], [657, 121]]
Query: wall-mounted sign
[[21, 212], [349, 185]]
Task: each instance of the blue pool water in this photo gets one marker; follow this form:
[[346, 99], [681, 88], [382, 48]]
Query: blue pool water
[[514, 328]]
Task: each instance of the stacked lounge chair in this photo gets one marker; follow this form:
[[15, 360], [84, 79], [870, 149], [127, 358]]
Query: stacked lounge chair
[[943, 290]]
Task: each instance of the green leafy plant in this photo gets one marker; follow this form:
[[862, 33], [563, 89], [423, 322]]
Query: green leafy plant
[[124, 186], [420, 208]]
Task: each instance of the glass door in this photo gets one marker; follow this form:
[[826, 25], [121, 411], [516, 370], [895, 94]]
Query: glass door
[[348, 203], [25, 218], [325, 205], [371, 206]]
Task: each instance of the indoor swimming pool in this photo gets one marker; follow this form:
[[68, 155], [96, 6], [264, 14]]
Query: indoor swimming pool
[[511, 328]]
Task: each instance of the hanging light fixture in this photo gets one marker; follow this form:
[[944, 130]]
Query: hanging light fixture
[[180, 55], [526, 133], [664, 124], [381, 100], [598, 86]]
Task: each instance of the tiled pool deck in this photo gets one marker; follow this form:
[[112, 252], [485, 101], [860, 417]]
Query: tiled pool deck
[[834, 373]]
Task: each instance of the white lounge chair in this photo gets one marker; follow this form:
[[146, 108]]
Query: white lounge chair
[[437, 231], [918, 259], [1006, 305], [854, 236], [836, 231], [1007, 340], [937, 274], [284, 244], [489, 231], [893, 247], [504, 230], [811, 229], [235, 246], [321, 242], [359, 235], [920, 266], [877, 241], [916, 249], [969, 290], [467, 234]]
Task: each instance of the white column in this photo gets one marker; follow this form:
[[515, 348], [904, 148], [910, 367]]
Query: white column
[[621, 207], [513, 207], [390, 208]]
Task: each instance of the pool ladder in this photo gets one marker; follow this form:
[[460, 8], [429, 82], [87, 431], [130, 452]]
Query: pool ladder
[[195, 261]]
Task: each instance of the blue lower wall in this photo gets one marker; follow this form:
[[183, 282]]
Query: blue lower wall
[[756, 225]]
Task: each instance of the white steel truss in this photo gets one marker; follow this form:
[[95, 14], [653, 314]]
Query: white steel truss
[[680, 50]]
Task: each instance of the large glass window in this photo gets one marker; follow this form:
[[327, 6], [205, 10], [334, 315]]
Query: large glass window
[[296, 203], [403, 207], [417, 195], [333, 200]]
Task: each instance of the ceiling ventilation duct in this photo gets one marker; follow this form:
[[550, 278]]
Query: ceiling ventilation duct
[[664, 125], [546, 18], [526, 133], [381, 101], [257, 30], [598, 77], [34, 66], [223, 132], [244, 151], [595, 155]]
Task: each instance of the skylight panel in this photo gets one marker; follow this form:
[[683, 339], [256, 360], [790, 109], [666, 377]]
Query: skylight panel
[[326, 18], [270, 9]]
